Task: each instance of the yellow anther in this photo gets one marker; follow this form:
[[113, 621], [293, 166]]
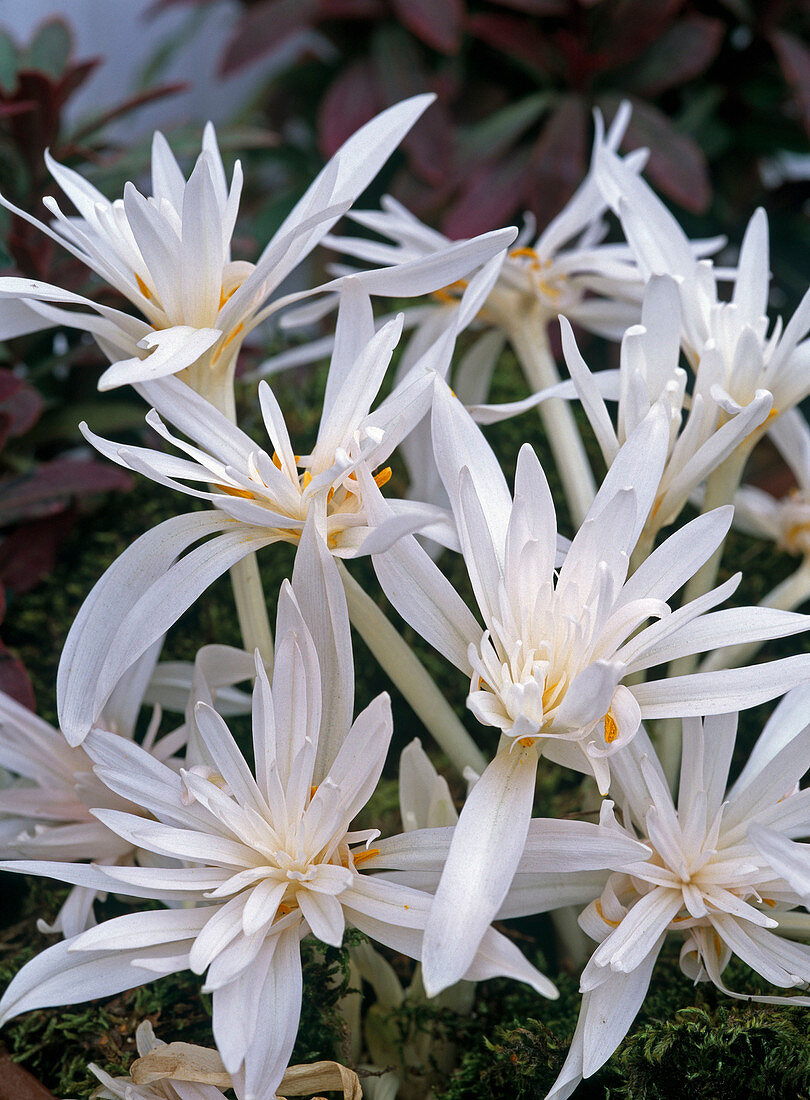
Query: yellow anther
[[276, 460], [225, 295], [611, 729], [283, 909], [607, 920], [361, 857], [525, 253], [769, 901], [383, 477], [526, 742], [233, 334], [144, 289], [306, 478], [445, 294], [312, 791], [232, 491]]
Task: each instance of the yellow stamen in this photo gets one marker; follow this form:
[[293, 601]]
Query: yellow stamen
[[769, 901], [283, 909], [525, 253], [305, 480], [144, 289], [611, 729], [361, 857], [607, 920], [383, 477], [225, 295], [233, 334], [312, 791], [445, 294], [526, 742], [234, 492], [276, 460]]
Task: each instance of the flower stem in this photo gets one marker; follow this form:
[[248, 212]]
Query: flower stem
[[721, 485], [410, 676], [251, 608], [529, 338], [787, 596]]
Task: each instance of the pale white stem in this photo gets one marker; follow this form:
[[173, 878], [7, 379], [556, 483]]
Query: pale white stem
[[216, 386], [528, 334], [251, 608], [576, 946], [410, 676], [721, 485], [787, 596], [793, 925]]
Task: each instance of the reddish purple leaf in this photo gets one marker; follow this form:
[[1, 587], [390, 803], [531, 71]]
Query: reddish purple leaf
[[680, 54], [48, 489], [20, 107], [535, 7], [490, 199], [75, 76], [128, 105], [9, 384], [29, 553], [264, 28], [632, 27], [559, 159], [351, 99], [794, 60], [522, 40], [400, 73], [438, 23], [23, 406], [14, 681], [351, 9], [677, 165]]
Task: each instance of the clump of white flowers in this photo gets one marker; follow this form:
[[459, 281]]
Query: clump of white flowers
[[563, 636]]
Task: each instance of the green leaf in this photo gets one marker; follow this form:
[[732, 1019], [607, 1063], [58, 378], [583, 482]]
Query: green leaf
[[50, 49], [8, 64], [495, 134]]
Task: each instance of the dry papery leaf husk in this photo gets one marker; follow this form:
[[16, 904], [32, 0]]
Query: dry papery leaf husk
[[186, 1062]]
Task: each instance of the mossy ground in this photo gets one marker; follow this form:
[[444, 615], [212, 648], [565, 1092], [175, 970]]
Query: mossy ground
[[687, 1040]]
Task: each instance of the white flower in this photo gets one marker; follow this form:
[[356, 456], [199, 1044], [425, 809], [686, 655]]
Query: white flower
[[714, 876], [169, 255], [259, 498], [566, 269], [701, 434], [785, 521], [548, 669], [264, 865], [746, 357], [46, 814]]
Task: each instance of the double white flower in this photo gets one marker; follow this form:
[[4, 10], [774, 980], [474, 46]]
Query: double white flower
[[721, 873], [262, 861], [258, 497], [45, 811], [169, 255], [745, 357], [701, 435], [548, 669]]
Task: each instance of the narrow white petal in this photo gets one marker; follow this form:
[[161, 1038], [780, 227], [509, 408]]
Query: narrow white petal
[[482, 860]]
